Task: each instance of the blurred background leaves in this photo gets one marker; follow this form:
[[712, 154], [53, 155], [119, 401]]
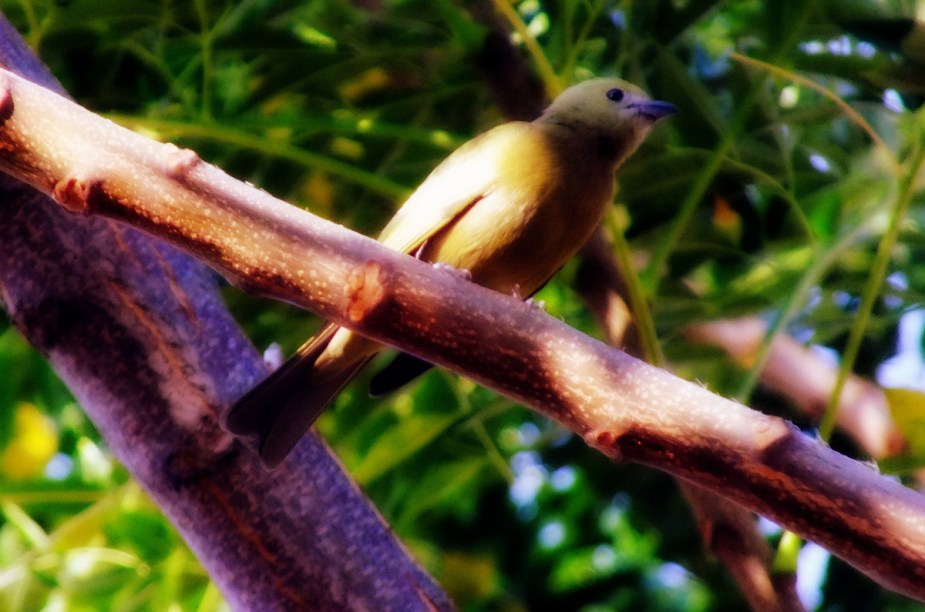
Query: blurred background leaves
[[763, 197]]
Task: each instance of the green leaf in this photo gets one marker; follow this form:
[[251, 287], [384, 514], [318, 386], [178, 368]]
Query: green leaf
[[908, 409]]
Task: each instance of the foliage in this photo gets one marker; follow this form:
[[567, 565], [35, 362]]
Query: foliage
[[786, 189]]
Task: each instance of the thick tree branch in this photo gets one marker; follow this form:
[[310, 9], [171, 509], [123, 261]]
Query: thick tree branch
[[626, 409], [138, 331], [727, 529]]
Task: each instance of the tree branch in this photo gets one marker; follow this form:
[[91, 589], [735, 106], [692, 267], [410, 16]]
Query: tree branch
[[138, 332], [742, 548], [727, 529], [626, 409]]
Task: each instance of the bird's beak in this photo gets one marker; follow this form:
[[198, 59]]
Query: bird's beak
[[653, 110]]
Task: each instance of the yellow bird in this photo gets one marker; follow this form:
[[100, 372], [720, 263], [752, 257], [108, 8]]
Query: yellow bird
[[511, 206]]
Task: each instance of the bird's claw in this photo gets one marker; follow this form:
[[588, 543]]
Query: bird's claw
[[538, 304], [419, 253], [457, 272]]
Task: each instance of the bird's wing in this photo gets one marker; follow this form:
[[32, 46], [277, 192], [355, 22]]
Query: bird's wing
[[464, 178]]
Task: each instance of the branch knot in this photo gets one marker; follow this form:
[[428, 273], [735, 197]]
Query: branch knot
[[178, 162], [73, 194], [6, 98], [364, 290]]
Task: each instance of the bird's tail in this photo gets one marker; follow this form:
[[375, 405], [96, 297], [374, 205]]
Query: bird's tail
[[280, 408]]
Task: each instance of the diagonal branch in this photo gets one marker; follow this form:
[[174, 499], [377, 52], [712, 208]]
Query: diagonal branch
[[626, 409], [727, 529]]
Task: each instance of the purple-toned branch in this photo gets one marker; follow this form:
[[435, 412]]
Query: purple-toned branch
[[139, 333]]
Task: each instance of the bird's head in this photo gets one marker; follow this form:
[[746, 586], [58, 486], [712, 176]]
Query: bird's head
[[613, 114]]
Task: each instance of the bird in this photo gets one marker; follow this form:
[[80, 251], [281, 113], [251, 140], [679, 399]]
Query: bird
[[510, 207]]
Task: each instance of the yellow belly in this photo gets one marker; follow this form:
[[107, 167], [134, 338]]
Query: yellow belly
[[511, 239]]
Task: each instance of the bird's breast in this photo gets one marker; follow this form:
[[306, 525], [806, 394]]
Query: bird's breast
[[535, 217]]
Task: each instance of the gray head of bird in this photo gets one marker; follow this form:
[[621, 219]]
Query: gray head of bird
[[614, 115]]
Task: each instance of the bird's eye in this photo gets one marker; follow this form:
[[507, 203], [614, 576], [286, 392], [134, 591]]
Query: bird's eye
[[615, 95]]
